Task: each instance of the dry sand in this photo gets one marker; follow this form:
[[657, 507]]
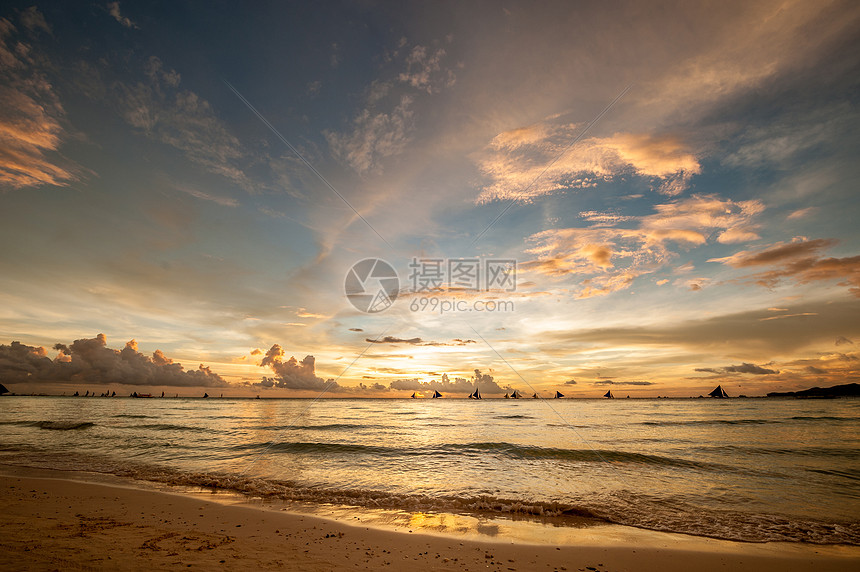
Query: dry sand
[[63, 524]]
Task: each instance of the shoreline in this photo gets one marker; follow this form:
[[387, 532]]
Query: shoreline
[[79, 520]]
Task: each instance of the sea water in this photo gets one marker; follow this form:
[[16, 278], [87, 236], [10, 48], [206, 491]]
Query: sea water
[[740, 469]]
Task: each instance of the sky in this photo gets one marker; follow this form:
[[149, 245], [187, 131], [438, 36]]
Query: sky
[[670, 189]]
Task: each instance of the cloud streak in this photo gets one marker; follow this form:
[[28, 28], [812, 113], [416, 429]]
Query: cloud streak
[[799, 261], [31, 113]]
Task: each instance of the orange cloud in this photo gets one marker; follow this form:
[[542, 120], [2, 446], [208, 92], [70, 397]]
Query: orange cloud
[[30, 114], [800, 261], [527, 162], [614, 257]]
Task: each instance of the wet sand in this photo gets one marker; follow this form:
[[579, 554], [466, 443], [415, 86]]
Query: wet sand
[[65, 523]]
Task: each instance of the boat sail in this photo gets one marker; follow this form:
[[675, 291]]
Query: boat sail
[[507, 396], [516, 394], [475, 395], [719, 392], [558, 395], [534, 396], [436, 394], [609, 395], [413, 396]]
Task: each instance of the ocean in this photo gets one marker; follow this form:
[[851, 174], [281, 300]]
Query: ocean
[[753, 470]]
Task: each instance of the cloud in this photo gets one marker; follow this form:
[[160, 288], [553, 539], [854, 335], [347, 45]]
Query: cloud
[[91, 361], [528, 162], [842, 340], [730, 333], [384, 127], [779, 142], [736, 235], [113, 10], [356, 330], [223, 201], [418, 341], [610, 382], [776, 254], [782, 316], [31, 113], [425, 72], [801, 213], [374, 136], [799, 261], [612, 258], [34, 20], [294, 374], [180, 118], [745, 368], [604, 219], [483, 381], [570, 382]]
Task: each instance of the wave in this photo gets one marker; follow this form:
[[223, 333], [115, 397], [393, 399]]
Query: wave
[[509, 450], [63, 425], [172, 427], [513, 417], [129, 416], [666, 514], [821, 418], [836, 473], [55, 425], [328, 427], [714, 422], [837, 452]]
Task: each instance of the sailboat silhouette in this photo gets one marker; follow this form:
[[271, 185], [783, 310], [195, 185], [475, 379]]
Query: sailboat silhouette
[[719, 392]]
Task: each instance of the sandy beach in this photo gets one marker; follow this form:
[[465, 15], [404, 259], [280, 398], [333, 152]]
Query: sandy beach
[[55, 520]]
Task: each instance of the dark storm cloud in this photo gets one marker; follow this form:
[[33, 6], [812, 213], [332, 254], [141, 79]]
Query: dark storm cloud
[[91, 361], [418, 341], [294, 374], [748, 368]]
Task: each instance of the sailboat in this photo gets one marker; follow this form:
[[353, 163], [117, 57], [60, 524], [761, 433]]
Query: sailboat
[[516, 394], [558, 395], [609, 395], [534, 396], [436, 395], [719, 392], [507, 396], [413, 396], [475, 395]]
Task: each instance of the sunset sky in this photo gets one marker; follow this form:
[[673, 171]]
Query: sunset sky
[[700, 230]]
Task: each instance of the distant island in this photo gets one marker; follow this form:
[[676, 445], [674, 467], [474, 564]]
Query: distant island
[[847, 390]]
